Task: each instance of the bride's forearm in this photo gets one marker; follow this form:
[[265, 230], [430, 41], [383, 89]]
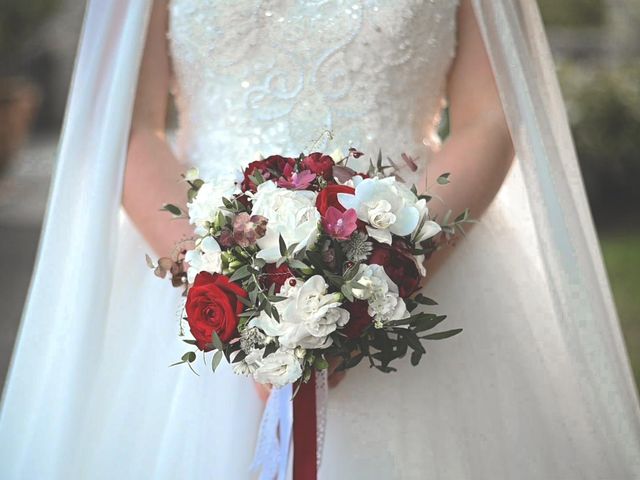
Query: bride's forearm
[[152, 178], [478, 156]]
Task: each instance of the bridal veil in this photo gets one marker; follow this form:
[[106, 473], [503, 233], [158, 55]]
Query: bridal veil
[[56, 347]]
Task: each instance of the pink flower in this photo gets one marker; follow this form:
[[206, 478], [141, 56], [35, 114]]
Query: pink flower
[[296, 180], [340, 225]]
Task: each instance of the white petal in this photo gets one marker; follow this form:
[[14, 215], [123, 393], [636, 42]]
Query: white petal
[[406, 221], [382, 236], [348, 200]]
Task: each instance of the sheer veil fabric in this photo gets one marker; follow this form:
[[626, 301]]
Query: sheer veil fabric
[[45, 428]]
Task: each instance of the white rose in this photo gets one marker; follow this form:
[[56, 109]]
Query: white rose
[[307, 317], [280, 368], [383, 205], [204, 208], [291, 213], [206, 257]]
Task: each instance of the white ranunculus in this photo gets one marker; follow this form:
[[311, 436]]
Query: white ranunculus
[[381, 293], [307, 317], [204, 208], [280, 368], [290, 213], [206, 257], [381, 202]]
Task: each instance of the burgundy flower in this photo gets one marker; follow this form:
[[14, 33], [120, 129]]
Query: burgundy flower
[[359, 318], [320, 164], [271, 167], [399, 265]]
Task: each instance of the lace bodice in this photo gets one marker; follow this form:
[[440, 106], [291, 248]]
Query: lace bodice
[[261, 77]]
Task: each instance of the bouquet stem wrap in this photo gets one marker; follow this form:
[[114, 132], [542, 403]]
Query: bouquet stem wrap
[[305, 432]]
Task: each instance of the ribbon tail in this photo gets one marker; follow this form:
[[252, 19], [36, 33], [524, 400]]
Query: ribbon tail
[[305, 451], [271, 455]]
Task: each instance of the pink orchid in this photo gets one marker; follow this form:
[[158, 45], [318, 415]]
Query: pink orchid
[[340, 225], [296, 180]]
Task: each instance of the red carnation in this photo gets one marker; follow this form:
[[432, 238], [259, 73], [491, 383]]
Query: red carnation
[[359, 318], [320, 164], [399, 264], [270, 168], [213, 306]]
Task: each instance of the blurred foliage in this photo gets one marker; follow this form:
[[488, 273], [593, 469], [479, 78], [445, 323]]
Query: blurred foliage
[[573, 13], [622, 257], [604, 111], [19, 20]]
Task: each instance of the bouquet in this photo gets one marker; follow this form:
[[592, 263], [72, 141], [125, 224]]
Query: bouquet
[[303, 259]]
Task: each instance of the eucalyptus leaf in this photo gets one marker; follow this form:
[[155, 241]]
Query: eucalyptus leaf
[[172, 209], [215, 340], [217, 357], [442, 335]]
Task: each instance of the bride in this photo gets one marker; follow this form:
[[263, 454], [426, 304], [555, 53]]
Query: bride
[[536, 387]]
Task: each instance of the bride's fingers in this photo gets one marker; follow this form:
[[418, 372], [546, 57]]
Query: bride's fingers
[[262, 390]]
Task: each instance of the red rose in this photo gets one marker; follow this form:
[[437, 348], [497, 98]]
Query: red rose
[[273, 275], [270, 167], [359, 318], [320, 164], [328, 197], [399, 264], [213, 306]]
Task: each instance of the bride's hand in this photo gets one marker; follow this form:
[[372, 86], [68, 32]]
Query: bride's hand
[[334, 379]]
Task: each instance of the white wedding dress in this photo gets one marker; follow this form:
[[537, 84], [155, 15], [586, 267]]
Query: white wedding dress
[[506, 399]]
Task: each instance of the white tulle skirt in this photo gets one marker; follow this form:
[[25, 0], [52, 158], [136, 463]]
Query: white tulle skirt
[[500, 401]]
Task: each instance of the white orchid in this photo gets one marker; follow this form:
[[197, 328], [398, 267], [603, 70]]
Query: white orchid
[[280, 368], [426, 228], [307, 316], [381, 204], [206, 257], [381, 293], [292, 214], [204, 208]]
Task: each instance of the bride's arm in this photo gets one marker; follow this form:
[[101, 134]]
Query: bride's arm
[[153, 173], [479, 151]]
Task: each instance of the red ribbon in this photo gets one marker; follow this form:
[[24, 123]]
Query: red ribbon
[[304, 432]]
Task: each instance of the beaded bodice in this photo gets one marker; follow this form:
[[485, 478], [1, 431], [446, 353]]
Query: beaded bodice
[[270, 76]]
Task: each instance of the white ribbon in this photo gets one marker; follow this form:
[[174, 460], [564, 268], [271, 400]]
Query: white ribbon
[[273, 447]]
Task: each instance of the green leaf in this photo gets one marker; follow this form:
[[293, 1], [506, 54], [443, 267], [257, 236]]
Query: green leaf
[[442, 335], [347, 292], [150, 263], [443, 179], [215, 340], [217, 357], [297, 264], [283, 246], [241, 273], [269, 349], [415, 358], [245, 301], [463, 216], [172, 209], [190, 342], [189, 357], [422, 300]]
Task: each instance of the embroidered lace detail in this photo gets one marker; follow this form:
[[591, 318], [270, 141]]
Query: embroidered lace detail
[[271, 76]]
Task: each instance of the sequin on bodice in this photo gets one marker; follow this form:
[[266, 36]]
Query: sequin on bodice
[[262, 77]]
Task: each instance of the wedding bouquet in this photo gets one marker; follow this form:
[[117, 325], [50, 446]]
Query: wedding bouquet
[[301, 259]]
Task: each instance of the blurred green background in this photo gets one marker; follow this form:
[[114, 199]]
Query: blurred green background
[[596, 46]]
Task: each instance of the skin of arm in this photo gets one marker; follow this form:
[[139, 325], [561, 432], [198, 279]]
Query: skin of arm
[[152, 176], [479, 151]]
